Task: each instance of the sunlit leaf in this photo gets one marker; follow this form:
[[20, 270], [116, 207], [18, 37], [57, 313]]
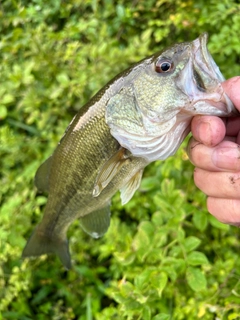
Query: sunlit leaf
[[196, 279]]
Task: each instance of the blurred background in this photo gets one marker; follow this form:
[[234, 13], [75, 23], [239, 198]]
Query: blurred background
[[164, 257]]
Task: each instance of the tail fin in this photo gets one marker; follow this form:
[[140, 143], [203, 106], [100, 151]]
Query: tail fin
[[39, 244]]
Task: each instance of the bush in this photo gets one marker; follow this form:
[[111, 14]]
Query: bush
[[164, 256]]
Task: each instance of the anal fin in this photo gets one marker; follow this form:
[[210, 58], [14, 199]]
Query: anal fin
[[108, 171], [130, 187], [97, 222]]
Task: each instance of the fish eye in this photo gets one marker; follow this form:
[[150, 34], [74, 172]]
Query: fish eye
[[163, 66]]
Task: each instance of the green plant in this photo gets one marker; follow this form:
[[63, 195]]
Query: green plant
[[164, 256]]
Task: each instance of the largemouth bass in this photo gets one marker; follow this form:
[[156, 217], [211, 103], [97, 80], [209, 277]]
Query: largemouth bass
[[142, 115]]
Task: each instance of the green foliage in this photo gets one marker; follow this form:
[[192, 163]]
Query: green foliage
[[164, 257]]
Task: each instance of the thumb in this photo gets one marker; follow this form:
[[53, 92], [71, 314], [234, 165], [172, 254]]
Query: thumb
[[232, 89]]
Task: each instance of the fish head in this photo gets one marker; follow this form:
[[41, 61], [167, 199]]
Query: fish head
[[151, 113]]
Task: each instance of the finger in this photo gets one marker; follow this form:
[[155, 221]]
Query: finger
[[225, 210], [232, 89], [209, 130], [224, 157], [218, 184], [232, 126]]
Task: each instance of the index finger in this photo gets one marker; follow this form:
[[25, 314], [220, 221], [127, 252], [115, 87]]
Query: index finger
[[232, 89]]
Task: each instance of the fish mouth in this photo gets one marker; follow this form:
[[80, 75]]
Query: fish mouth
[[203, 82], [199, 81], [203, 61]]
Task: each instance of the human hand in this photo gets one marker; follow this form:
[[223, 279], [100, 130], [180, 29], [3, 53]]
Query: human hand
[[215, 151]]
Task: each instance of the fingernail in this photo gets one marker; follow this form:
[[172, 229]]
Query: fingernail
[[227, 158], [205, 133]]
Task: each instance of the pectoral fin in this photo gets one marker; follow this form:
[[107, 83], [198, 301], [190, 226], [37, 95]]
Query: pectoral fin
[[109, 170], [129, 189], [41, 179], [97, 222]]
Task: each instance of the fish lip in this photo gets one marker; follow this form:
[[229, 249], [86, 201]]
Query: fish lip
[[204, 63], [206, 56], [204, 82]]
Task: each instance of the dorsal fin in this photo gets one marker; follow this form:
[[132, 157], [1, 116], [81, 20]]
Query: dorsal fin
[[41, 179]]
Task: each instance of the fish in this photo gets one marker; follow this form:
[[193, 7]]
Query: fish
[[140, 116]]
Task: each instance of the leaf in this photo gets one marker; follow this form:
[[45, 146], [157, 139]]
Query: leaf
[[146, 314], [142, 279], [120, 10], [181, 234], [149, 183], [144, 236], [159, 281], [7, 99], [3, 112], [191, 243], [171, 272], [196, 279], [217, 224], [161, 316], [196, 258], [157, 218], [41, 294], [127, 289], [234, 316], [63, 79], [200, 220], [125, 258], [167, 187]]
